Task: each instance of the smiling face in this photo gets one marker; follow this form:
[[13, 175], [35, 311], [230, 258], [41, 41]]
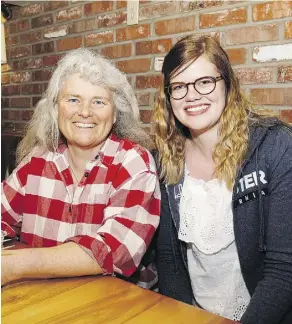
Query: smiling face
[[86, 113], [199, 113]]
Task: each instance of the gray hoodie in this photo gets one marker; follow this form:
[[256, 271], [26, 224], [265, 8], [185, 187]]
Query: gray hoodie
[[262, 213]]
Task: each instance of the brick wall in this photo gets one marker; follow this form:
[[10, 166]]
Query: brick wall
[[257, 36]]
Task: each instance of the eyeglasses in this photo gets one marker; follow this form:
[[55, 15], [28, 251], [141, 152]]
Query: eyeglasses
[[204, 86]]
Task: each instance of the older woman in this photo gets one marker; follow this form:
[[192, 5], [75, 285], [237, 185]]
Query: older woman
[[85, 191], [225, 237]]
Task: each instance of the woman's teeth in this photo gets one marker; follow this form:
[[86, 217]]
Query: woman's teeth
[[81, 125], [198, 108]]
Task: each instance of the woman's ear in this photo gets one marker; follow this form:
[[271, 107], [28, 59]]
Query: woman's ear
[[115, 115]]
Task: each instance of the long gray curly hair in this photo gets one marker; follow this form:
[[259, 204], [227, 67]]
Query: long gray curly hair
[[43, 130]]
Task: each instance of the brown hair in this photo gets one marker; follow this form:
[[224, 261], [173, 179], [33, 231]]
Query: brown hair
[[170, 134]]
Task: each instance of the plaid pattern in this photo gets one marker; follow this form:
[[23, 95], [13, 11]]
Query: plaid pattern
[[112, 214]]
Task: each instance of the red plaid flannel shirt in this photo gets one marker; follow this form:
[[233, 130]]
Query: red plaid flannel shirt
[[112, 214]]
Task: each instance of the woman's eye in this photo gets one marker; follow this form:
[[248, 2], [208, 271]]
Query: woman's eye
[[99, 102], [178, 87], [205, 82], [73, 101]]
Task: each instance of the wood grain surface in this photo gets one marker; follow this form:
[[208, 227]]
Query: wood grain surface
[[94, 299]]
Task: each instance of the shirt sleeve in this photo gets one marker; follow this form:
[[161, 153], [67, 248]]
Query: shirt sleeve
[[272, 299], [130, 217], [12, 198]]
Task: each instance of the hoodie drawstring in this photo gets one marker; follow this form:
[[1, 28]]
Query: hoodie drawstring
[[262, 246]]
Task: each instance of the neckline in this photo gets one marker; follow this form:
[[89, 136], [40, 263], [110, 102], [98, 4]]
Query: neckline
[[201, 181]]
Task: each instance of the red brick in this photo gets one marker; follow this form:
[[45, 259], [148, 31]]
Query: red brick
[[4, 114], [23, 25], [134, 66], [11, 27], [19, 51], [69, 43], [271, 10], [16, 27], [5, 78], [20, 102], [236, 55], [16, 65], [286, 115], [41, 75], [21, 77], [97, 7], [255, 75], [285, 74], [82, 26], [146, 116], [41, 21], [174, 26], [12, 41], [51, 60], [153, 47], [56, 31], [13, 114], [53, 5], [133, 32], [262, 33], [43, 48], [224, 17], [26, 114], [31, 10], [11, 90], [158, 10], [117, 51], [32, 63], [288, 29], [143, 98], [13, 128], [31, 88], [112, 19], [148, 81], [121, 4], [5, 103], [272, 96], [98, 38], [31, 37], [69, 14], [198, 5]]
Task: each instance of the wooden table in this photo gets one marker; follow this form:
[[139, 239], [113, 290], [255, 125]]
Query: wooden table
[[94, 299]]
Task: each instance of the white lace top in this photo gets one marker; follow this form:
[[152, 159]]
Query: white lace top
[[206, 225]]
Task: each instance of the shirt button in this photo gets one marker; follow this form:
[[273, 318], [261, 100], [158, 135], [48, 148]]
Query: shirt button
[[86, 174], [70, 209]]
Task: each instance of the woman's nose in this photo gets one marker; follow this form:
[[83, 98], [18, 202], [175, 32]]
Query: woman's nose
[[192, 94], [85, 110]]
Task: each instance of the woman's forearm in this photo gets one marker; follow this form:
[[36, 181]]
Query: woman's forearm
[[65, 260]]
